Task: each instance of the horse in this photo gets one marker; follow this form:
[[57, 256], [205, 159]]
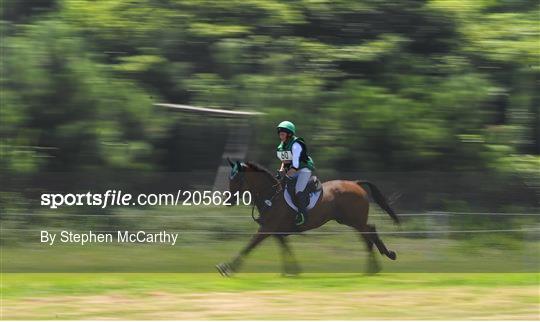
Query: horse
[[344, 201]]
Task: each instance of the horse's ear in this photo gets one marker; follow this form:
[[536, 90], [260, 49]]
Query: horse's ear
[[230, 162]]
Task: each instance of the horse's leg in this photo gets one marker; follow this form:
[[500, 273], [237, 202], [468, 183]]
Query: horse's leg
[[290, 266], [378, 242], [356, 216], [373, 266], [227, 269]]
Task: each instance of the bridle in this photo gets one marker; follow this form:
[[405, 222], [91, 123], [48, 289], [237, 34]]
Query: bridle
[[260, 201], [266, 202]]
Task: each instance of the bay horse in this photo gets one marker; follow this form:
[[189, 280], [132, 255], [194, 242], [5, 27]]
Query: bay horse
[[344, 201]]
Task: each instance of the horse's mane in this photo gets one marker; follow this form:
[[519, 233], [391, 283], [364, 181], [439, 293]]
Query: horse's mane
[[259, 168]]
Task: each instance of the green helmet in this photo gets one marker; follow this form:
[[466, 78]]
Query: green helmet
[[287, 127]]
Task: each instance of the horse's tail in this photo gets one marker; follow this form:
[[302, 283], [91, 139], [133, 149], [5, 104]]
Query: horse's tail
[[379, 199]]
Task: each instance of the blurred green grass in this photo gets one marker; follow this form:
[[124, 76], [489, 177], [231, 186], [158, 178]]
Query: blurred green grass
[[316, 253], [269, 296], [16, 285]]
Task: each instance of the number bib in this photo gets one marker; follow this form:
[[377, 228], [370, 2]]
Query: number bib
[[284, 155]]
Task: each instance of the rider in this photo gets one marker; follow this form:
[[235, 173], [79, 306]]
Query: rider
[[296, 163]]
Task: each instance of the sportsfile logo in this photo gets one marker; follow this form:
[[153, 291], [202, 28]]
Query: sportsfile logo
[[112, 198]]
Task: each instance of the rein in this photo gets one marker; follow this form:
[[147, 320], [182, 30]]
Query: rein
[[262, 204], [266, 203]]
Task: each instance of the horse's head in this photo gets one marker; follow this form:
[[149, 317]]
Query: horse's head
[[249, 176], [237, 182]]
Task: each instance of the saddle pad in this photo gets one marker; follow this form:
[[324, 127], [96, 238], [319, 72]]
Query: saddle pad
[[313, 198]]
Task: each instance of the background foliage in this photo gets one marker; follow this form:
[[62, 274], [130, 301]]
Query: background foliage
[[439, 85]]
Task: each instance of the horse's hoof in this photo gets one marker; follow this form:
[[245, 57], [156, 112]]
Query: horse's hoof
[[224, 269], [371, 272], [290, 274], [373, 268], [294, 272], [392, 255]]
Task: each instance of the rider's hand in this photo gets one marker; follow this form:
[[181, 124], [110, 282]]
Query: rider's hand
[[279, 175], [291, 172]]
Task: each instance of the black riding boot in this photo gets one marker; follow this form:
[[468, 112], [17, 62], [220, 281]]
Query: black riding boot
[[302, 201]]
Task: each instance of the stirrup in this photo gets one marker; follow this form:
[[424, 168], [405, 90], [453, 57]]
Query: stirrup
[[300, 219]]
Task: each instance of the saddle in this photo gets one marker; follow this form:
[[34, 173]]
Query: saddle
[[313, 188]]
